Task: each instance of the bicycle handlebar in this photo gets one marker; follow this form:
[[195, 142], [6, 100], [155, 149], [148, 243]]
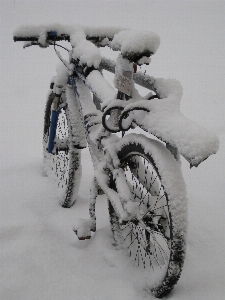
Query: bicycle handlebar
[[51, 36]]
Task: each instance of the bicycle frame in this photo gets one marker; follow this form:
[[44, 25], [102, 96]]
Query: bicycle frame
[[152, 206], [91, 117]]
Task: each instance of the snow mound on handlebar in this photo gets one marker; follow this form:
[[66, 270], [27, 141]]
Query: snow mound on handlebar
[[134, 41], [128, 41], [87, 53], [34, 30]]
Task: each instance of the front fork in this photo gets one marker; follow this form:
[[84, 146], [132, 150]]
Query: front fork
[[54, 118]]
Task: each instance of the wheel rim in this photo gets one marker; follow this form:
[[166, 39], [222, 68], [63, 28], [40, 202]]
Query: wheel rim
[[148, 239]]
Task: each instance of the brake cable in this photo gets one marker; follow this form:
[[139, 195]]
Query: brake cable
[[59, 56]]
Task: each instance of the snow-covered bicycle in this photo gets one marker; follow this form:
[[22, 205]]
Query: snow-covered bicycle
[[139, 174]]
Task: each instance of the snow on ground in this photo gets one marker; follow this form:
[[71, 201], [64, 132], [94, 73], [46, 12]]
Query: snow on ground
[[41, 258]]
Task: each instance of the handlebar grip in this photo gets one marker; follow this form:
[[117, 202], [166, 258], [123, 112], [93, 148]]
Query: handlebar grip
[[50, 37], [25, 39]]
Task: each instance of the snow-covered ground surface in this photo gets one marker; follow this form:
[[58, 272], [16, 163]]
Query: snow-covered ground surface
[[41, 258]]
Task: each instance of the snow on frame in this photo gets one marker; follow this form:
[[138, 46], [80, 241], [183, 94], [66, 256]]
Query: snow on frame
[[164, 118], [193, 142], [106, 93], [165, 121], [87, 53]]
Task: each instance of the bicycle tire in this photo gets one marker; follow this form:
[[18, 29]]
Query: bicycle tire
[[64, 164], [159, 245]]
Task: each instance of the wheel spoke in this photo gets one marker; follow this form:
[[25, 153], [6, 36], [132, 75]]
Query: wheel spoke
[[147, 239]]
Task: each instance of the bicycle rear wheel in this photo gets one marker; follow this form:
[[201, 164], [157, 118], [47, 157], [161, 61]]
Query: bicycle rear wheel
[[63, 165], [156, 241]]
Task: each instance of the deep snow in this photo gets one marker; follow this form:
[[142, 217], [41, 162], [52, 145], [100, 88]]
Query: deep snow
[[41, 258]]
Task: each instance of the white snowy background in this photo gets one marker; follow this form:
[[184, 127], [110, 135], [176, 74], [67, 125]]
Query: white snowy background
[[40, 256]]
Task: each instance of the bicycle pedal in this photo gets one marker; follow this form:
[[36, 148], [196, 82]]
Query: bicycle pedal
[[84, 238], [83, 228]]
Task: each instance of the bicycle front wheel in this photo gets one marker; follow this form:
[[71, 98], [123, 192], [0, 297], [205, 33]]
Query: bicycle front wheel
[[63, 165], [156, 240]]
